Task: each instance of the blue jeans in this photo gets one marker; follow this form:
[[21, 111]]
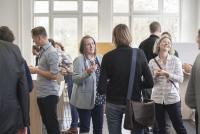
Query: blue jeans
[[114, 114], [74, 113], [174, 111], [97, 119]]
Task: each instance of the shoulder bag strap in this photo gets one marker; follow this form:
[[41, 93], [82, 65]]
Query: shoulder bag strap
[[132, 73]]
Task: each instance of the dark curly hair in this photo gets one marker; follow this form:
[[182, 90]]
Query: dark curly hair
[[6, 34]]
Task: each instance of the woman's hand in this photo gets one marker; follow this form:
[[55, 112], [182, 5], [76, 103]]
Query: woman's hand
[[91, 69], [156, 72], [164, 73], [161, 72]]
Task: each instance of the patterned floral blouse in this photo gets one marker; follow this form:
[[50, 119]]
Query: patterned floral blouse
[[100, 99]]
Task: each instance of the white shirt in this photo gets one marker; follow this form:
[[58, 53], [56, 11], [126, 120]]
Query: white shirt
[[164, 92]]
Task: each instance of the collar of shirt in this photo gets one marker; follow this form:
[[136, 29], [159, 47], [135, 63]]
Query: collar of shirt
[[155, 36], [46, 46], [123, 46], [168, 57]]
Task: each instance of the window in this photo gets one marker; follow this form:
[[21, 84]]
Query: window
[[120, 6], [120, 19], [66, 31], [41, 7], [66, 21], [90, 26], [145, 5], [171, 24], [90, 6], [171, 6], [140, 29], [142, 12], [42, 21], [65, 6]]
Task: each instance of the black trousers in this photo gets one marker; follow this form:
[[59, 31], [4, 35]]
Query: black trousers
[[48, 111], [174, 111], [97, 119]]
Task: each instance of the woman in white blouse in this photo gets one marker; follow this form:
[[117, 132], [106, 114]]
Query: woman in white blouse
[[167, 72]]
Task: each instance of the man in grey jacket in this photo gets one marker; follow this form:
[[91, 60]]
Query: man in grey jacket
[[192, 97]]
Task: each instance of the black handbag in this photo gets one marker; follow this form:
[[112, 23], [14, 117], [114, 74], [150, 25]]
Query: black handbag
[[138, 114]]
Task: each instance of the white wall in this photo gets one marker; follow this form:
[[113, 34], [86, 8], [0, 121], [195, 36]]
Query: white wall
[[189, 20], [25, 20], [17, 15], [9, 15], [198, 11]]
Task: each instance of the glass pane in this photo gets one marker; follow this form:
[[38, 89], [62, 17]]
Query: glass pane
[[65, 6], [120, 20], [90, 26], [171, 24], [90, 6], [120, 6], [145, 5], [66, 32], [171, 6], [141, 28], [41, 7], [42, 21]]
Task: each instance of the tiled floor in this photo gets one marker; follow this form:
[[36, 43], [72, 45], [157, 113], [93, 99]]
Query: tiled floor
[[105, 128], [65, 119], [189, 126]]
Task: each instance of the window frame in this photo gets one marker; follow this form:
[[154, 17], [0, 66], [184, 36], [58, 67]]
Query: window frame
[[159, 13], [66, 14]]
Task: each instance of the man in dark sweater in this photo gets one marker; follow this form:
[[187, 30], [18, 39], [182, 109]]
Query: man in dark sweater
[[148, 44]]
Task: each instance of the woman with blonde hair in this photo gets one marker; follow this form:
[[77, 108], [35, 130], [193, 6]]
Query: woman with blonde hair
[[167, 74], [114, 78]]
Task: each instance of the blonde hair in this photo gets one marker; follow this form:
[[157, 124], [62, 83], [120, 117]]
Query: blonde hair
[[157, 45], [121, 35]]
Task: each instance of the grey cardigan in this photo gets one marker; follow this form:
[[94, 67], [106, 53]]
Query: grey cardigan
[[84, 87]]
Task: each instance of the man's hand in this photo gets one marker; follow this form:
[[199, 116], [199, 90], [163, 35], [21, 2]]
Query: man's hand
[[22, 130], [33, 69], [187, 68]]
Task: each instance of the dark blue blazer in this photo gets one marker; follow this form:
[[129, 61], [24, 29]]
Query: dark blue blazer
[[13, 88]]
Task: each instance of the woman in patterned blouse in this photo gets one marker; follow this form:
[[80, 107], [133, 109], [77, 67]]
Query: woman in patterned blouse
[[84, 95]]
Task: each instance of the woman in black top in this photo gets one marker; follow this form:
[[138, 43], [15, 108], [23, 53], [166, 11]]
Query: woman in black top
[[114, 77]]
